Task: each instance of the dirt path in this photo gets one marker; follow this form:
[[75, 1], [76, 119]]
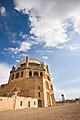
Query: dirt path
[[64, 112]]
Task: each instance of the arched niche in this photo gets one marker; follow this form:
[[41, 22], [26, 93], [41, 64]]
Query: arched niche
[[36, 73]]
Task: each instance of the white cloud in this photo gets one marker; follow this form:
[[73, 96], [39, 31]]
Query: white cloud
[[24, 46], [21, 34], [77, 80], [71, 47], [75, 18], [3, 11], [48, 18], [17, 61], [45, 57], [4, 72], [72, 93], [13, 50], [69, 93]]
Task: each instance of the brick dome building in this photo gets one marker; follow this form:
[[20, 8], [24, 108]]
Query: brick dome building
[[30, 78]]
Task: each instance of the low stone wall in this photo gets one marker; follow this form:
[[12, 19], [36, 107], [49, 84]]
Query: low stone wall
[[23, 102], [6, 103], [16, 102]]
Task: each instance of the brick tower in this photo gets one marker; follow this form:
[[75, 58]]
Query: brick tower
[[30, 78]]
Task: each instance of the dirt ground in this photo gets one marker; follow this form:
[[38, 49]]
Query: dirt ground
[[63, 112]]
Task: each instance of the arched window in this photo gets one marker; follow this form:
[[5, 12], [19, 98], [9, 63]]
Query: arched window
[[36, 73], [51, 87], [39, 103], [30, 73], [41, 73], [48, 77], [47, 85], [39, 94], [17, 75], [38, 87], [21, 74], [12, 77]]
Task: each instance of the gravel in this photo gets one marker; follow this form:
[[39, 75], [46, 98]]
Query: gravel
[[63, 112]]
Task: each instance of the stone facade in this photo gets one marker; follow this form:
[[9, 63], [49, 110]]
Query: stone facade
[[16, 102], [30, 78]]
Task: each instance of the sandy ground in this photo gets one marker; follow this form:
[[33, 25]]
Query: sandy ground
[[63, 112]]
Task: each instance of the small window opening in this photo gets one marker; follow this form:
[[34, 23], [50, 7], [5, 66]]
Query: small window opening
[[41, 74], [20, 103], [36, 73], [51, 87], [34, 102], [12, 77], [38, 87], [28, 103], [30, 73], [22, 74], [38, 94], [17, 75]]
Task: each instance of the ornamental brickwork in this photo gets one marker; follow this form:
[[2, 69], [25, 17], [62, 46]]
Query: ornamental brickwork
[[30, 78]]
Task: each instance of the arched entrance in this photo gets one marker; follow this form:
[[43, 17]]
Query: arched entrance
[[36, 73], [39, 103]]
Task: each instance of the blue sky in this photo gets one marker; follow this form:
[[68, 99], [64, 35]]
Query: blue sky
[[50, 33]]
